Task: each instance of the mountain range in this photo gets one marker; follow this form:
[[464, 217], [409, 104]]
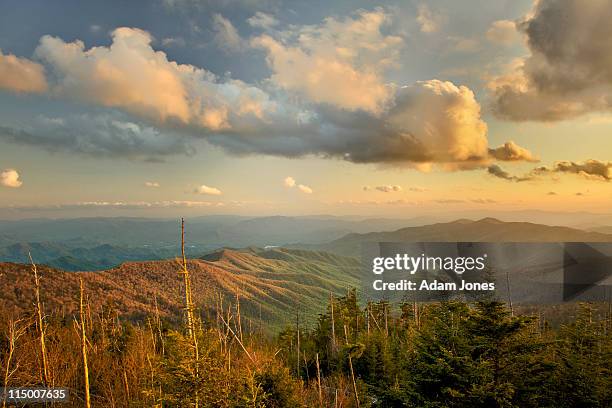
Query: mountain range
[[463, 230], [91, 244], [271, 284]]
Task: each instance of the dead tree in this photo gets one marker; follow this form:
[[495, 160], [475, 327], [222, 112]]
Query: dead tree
[[41, 325]]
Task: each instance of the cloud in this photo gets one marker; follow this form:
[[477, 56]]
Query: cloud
[[21, 75], [568, 71], [262, 20], [428, 21], [127, 205], [339, 62], [502, 32], [152, 184], [417, 189], [483, 201], [551, 193], [590, 169], [427, 122], [131, 75], [204, 189], [384, 188], [510, 151], [226, 35], [107, 135], [449, 201], [463, 44], [173, 41], [305, 189], [498, 172], [289, 182], [326, 97], [10, 178]]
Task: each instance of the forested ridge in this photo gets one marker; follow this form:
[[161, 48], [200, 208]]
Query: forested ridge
[[448, 354]]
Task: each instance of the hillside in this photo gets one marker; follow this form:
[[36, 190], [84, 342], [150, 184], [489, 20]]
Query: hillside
[[272, 283], [484, 230], [68, 258], [603, 230]]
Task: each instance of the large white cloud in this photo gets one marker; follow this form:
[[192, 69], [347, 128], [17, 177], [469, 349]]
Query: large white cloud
[[21, 75], [568, 71], [339, 62], [327, 96], [131, 75]]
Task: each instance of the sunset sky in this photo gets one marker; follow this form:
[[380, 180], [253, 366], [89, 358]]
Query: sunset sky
[[289, 107]]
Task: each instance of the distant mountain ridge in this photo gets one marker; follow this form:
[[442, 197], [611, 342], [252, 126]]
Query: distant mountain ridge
[[483, 230], [236, 231], [102, 243]]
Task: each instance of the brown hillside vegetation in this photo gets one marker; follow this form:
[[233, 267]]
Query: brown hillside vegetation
[[270, 283]]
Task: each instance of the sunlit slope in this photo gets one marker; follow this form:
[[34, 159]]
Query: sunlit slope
[[272, 283]]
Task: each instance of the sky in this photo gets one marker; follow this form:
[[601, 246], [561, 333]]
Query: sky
[[396, 108]]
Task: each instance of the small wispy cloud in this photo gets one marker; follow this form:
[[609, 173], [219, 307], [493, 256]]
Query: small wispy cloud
[[226, 35], [429, 22], [206, 190], [152, 184], [305, 189], [496, 171], [503, 32], [289, 182], [383, 188], [262, 20]]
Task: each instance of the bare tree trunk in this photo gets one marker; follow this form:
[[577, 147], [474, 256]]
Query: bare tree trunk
[[13, 335], [354, 382], [333, 321], [189, 311], [238, 317], [297, 329], [319, 381], [386, 322], [509, 294], [84, 346], [41, 324]]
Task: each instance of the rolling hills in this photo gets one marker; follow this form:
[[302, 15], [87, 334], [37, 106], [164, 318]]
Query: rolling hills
[[272, 283]]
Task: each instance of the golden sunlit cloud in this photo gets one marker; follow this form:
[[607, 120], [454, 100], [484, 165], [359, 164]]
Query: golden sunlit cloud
[[305, 189], [131, 75], [510, 151], [10, 178], [589, 169], [21, 75], [289, 182], [206, 190], [339, 62]]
